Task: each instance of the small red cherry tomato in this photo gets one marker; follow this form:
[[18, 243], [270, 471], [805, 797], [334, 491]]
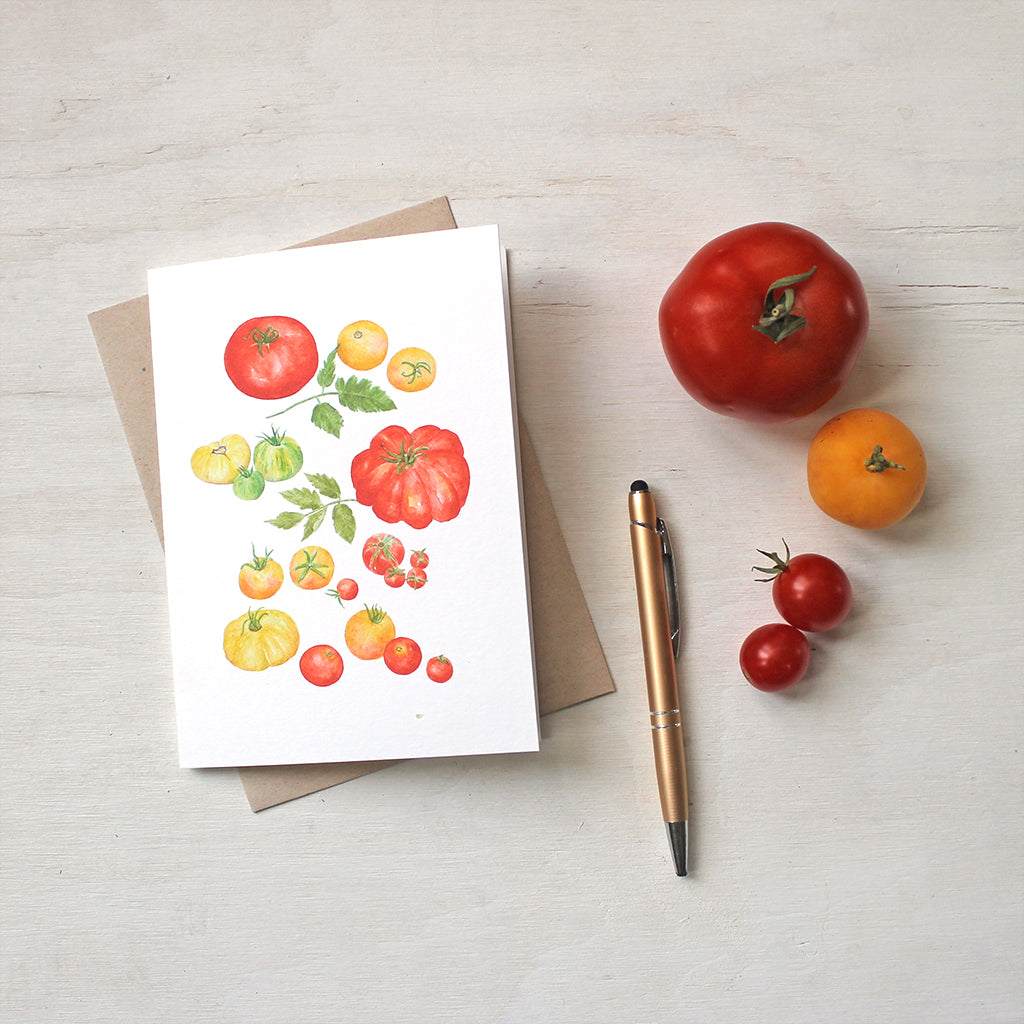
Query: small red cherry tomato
[[810, 591], [321, 665], [419, 559], [402, 655], [347, 590], [439, 669], [394, 577], [775, 657], [416, 578]]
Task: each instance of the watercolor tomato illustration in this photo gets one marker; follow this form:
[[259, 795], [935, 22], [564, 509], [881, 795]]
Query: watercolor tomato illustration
[[395, 577], [220, 461], [362, 345], [416, 578], [419, 559], [346, 590], [321, 665], [381, 552], [271, 357], [764, 323], [277, 457], [260, 578], [439, 669], [261, 639], [249, 484], [412, 369], [865, 468], [311, 568], [402, 655], [416, 477], [368, 632]]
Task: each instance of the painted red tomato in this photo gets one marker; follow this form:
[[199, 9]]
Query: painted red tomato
[[439, 669], [271, 357], [321, 665], [402, 655], [382, 552], [416, 578], [416, 477], [764, 323], [395, 577]]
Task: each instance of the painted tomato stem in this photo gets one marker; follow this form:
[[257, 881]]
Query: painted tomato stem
[[876, 462], [779, 321]]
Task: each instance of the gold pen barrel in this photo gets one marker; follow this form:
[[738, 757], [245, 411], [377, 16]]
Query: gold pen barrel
[[659, 656]]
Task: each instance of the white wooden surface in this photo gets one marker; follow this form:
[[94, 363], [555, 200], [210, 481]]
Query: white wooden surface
[[858, 845]]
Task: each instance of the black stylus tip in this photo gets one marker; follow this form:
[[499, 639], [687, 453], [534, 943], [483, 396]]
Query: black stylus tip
[[638, 485]]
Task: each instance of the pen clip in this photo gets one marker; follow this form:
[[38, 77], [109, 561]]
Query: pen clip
[[671, 586]]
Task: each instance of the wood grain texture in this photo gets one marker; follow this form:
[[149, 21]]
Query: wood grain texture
[[857, 845]]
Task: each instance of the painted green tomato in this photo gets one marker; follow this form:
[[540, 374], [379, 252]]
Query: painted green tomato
[[277, 457], [249, 484]]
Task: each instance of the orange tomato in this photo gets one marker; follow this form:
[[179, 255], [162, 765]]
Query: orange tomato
[[261, 578], [362, 345], [368, 632], [866, 469], [311, 568], [412, 369]]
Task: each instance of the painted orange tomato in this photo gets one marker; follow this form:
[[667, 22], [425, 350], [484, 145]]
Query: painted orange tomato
[[321, 665], [866, 469], [261, 639], [261, 578], [362, 345], [402, 655], [219, 461], [412, 369], [311, 568], [368, 632]]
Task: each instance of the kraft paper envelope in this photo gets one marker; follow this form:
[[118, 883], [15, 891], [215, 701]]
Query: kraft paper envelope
[[571, 667]]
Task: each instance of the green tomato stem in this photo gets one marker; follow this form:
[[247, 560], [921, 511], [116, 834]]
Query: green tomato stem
[[876, 462]]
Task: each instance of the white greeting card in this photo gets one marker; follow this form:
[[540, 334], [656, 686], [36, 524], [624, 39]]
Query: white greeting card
[[345, 551]]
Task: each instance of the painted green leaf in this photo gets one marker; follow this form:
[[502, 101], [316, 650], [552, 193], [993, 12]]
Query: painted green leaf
[[313, 523], [344, 522], [325, 484], [286, 520], [325, 378], [362, 395], [327, 418], [303, 497]]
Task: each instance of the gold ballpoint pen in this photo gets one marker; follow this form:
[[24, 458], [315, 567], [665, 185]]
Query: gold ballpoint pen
[[659, 630]]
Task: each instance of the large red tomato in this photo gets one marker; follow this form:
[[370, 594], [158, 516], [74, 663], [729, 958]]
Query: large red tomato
[[416, 477], [271, 357], [764, 323]]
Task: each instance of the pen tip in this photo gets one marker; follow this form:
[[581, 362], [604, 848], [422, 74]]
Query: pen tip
[[638, 485]]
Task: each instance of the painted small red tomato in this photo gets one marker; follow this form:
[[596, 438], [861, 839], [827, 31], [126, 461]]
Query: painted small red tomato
[[810, 591], [416, 578], [271, 357], [775, 657], [321, 665], [381, 552], [346, 590], [439, 669], [402, 655], [419, 559], [394, 577]]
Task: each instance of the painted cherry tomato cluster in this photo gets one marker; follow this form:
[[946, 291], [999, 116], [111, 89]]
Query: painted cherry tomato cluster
[[384, 553], [813, 594]]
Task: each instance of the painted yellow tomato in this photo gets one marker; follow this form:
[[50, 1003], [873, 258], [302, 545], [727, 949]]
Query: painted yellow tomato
[[368, 632], [261, 639], [412, 369], [219, 461], [311, 568], [261, 578], [866, 469], [362, 345]]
